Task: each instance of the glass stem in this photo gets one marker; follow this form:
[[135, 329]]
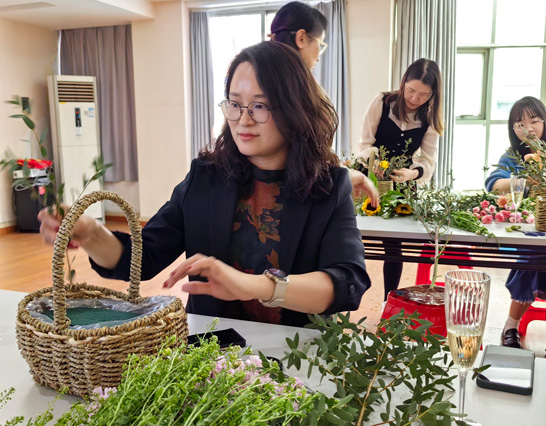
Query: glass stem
[[462, 390]]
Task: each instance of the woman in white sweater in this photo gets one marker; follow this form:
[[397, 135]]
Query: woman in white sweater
[[413, 112]]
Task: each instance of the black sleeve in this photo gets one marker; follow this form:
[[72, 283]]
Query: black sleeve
[[342, 251], [162, 238]]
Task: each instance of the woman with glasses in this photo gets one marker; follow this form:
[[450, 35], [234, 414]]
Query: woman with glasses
[[413, 112], [303, 28], [264, 216], [524, 286]]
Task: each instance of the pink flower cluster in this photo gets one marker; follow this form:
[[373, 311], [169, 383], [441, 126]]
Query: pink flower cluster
[[487, 212]]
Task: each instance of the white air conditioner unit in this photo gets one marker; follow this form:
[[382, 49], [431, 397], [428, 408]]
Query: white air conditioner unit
[[75, 131]]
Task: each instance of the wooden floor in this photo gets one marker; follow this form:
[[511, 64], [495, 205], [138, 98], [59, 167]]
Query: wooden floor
[[25, 265]]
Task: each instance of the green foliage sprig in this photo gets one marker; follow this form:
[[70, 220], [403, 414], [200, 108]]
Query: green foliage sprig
[[198, 385], [368, 368], [52, 191], [41, 420], [433, 208]]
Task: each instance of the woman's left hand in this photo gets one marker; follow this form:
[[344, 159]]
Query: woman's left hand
[[223, 281], [403, 175]]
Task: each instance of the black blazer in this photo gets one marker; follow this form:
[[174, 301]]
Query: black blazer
[[316, 235]]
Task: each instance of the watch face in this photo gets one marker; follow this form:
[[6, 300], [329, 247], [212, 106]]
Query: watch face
[[277, 272]]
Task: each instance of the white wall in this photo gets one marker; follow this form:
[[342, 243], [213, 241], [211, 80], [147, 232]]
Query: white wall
[[163, 89], [160, 96], [28, 55], [370, 46]]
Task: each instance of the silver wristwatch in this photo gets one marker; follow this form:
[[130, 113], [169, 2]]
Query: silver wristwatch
[[281, 280]]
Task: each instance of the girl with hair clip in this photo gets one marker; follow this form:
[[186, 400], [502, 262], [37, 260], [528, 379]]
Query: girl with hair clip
[[303, 28], [250, 208], [414, 111], [524, 286]]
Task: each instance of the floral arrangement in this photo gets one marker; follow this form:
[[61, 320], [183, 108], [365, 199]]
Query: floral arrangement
[[384, 164], [393, 203], [533, 164], [487, 212]]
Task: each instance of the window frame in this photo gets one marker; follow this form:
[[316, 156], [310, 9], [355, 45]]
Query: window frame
[[489, 49], [263, 11]]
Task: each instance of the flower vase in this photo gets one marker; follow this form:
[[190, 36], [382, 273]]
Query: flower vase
[[384, 186], [428, 301]]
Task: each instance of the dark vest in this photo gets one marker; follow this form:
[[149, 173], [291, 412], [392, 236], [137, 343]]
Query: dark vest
[[393, 138]]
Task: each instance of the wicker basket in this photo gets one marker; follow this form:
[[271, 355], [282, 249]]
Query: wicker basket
[[540, 210], [384, 186], [83, 359]]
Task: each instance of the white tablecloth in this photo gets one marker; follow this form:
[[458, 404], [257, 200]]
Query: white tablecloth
[[491, 408]]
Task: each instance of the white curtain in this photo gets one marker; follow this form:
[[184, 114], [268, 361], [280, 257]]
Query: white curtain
[[426, 29], [202, 83], [332, 71]]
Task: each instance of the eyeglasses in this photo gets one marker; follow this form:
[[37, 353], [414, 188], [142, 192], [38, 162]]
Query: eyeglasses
[[323, 46], [259, 112], [534, 124]]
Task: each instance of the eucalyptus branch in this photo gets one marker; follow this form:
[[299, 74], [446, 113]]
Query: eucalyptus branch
[[52, 189]]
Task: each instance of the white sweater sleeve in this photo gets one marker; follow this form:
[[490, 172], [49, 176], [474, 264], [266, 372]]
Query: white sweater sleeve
[[425, 156], [369, 127]]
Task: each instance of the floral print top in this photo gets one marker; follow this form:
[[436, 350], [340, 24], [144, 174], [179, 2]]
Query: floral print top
[[255, 240]]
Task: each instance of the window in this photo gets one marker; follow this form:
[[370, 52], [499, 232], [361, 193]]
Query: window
[[229, 34], [500, 59]]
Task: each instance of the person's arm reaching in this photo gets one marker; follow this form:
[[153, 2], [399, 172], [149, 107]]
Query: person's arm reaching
[[101, 245]]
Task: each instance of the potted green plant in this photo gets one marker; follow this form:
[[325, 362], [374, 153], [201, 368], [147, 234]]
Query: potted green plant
[[47, 191], [438, 210]]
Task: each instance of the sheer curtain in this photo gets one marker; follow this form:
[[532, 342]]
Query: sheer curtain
[[332, 71], [107, 54], [426, 29], [202, 83]]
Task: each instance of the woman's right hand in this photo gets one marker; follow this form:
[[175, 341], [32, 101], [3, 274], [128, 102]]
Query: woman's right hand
[[362, 183], [50, 223]]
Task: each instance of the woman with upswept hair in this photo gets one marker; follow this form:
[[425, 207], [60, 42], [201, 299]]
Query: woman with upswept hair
[[264, 216], [303, 28]]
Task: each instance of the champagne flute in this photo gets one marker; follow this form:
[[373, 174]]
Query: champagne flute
[[517, 188], [466, 299]]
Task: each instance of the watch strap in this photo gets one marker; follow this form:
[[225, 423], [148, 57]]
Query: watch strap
[[280, 288]]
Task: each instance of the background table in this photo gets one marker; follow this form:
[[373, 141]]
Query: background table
[[512, 250], [491, 408]]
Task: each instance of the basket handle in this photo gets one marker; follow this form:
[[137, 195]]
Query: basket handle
[[61, 243], [371, 161]]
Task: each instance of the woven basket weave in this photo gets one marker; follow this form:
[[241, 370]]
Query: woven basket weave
[[384, 186], [540, 209], [83, 359]]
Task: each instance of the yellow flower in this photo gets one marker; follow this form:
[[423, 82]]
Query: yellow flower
[[403, 209], [384, 164], [370, 212]]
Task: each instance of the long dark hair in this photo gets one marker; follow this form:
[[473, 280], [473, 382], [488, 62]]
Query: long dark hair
[[303, 115], [531, 106], [426, 71], [296, 16]]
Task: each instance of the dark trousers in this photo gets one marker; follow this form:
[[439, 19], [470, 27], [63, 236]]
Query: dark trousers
[[392, 271]]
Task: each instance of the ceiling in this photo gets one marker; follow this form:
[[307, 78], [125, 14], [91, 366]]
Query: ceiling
[[67, 14]]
